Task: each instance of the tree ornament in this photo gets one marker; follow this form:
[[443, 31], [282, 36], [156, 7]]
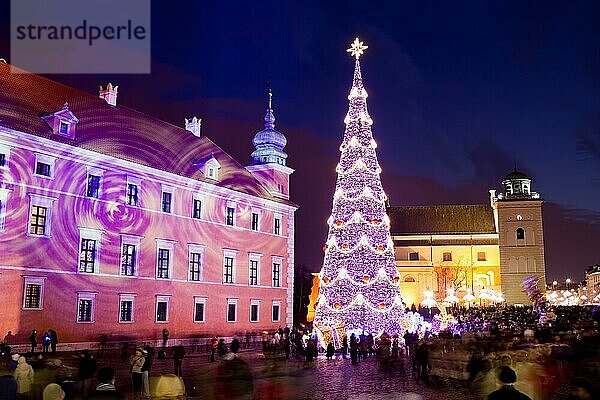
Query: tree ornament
[[324, 248], [345, 246], [382, 306], [339, 222], [325, 279], [337, 305], [366, 278]]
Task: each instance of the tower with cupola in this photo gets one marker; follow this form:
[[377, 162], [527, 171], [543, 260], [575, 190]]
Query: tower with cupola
[[268, 159], [518, 217]]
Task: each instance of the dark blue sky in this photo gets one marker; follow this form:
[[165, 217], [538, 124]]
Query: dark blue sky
[[459, 93]]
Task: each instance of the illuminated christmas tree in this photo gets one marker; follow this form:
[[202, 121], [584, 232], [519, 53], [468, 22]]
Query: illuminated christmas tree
[[359, 285]]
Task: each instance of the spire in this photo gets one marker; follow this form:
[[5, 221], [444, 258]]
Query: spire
[[269, 143], [270, 117]]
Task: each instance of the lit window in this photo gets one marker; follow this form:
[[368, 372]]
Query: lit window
[[2, 160], [197, 209], [128, 258], [409, 279], [276, 275], [447, 256], [232, 310], [413, 256], [85, 307], [277, 226], [276, 311], [230, 216], [195, 252], [199, 309], [253, 273], [520, 234], [132, 194], [228, 270], [126, 307], [89, 243], [87, 255], [37, 224], [3, 202], [162, 308], [42, 169], [33, 291], [481, 256], [63, 128], [93, 186], [254, 221], [166, 202], [254, 310], [164, 256], [44, 165], [40, 215]]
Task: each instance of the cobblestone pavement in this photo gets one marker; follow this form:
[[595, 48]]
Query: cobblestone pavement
[[276, 379]]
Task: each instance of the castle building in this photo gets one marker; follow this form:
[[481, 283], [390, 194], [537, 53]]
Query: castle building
[[472, 249], [115, 225]]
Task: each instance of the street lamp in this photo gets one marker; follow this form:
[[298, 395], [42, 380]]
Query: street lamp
[[568, 282], [554, 284]]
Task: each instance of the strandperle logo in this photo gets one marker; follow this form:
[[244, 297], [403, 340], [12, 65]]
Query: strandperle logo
[[86, 37], [89, 33]]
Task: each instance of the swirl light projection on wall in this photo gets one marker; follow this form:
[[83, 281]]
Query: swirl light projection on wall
[[359, 281]]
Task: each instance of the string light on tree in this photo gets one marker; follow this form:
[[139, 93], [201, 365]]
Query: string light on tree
[[359, 280]]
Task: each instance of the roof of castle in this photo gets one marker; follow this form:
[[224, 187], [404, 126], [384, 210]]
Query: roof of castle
[[117, 131], [442, 219]]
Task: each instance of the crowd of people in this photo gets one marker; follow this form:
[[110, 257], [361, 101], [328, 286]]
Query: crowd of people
[[501, 352]]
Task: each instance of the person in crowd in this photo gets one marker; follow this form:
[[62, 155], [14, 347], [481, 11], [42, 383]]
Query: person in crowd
[[148, 353], [311, 350], [222, 348], [24, 376], [344, 347], [421, 361], [46, 342], [8, 384], [330, 350], [106, 389], [507, 391], [14, 361], [178, 354], [165, 337], [234, 379], [137, 362], [87, 369], [214, 344], [353, 349], [53, 391], [53, 340], [33, 340], [484, 382], [581, 389]]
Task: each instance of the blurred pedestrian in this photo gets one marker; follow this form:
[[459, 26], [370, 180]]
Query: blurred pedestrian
[[33, 340], [137, 362], [46, 342], [214, 344], [106, 386], [507, 378], [87, 369], [8, 384], [53, 340], [24, 377], [53, 391], [148, 353], [234, 379], [178, 354]]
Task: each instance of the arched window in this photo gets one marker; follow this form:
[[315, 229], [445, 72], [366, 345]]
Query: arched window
[[409, 279], [520, 234]]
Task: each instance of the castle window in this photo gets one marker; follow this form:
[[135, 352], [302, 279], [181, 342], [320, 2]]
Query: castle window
[[409, 279], [413, 256], [447, 256], [481, 256], [520, 234]]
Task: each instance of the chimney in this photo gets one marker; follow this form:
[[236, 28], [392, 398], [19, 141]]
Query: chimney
[[194, 125], [109, 94]]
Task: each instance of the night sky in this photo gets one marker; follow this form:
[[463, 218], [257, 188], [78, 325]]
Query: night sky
[[459, 93]]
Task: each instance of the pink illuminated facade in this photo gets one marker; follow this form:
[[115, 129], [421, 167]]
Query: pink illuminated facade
[[115, 225]]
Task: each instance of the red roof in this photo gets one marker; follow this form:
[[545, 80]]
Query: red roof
[[118, 132]]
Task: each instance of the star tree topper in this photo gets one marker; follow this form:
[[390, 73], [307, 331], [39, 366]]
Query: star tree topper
[[357, 48]]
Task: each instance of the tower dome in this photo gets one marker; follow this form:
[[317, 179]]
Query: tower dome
[[269, 143], [517, 185]]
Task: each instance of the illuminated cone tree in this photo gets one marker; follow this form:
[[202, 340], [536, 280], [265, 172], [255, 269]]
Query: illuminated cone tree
[[359, 285]]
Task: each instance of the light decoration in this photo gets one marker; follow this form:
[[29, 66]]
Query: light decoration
[[469, 298], [451, 297], [359, 252], [429, 301]]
